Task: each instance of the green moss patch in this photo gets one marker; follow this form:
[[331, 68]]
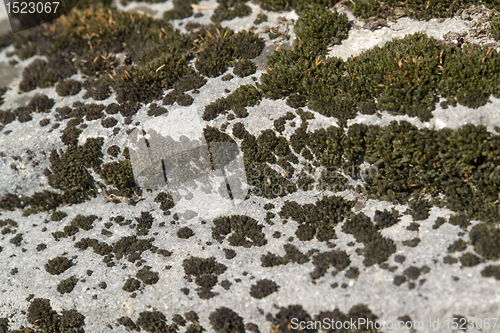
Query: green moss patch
[[377, 248], [147, 276], [221, 46], [58, 265], [229, 9], [45, 319], [67, 286], [317, 220], [240, 230], [225, 320]]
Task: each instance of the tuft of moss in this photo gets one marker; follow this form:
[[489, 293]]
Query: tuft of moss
[[58, 265], [185, 233], [242, 231], [222, 46], [385, 219], [225, 320], [16, 240], [491, 271], [263, 288], [317, 220], [229, 9], [244, 67], [486, 240], [66, 286], [58, 216], [155, 321], [131, 285], [68, 87], [238, 100], [147, 276], [377, 248]]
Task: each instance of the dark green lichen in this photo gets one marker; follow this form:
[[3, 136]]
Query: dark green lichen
[[486, 240]]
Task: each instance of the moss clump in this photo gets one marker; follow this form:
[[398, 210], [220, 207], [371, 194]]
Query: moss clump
[[242, 230], [469, 259], [221, 46], [69, 171], [147, 276], [16, 240], [238, 100], [185, 233], [41, 314], [419, 209], [367, 8], [356, 313], [131, 285], [84, 222], [486, 240], [129, 245], [68, 87], [495, 28], [244, 67], [58, 265], [199, 266], [317, 220], [377, 248], [263, 288], [40, 103], [323, 261], [182, 9], [58, 216], [7, 117], [292, 255], [155, 321], [225, 320], [491, 271], [460, 220], [261, 17], [386, 218], [67, 286], [144, 223], [165, 200], [229, 9], [119, 174], [283, 319]]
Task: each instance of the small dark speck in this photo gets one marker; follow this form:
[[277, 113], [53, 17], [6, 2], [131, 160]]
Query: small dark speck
[[334, 285], [237, 280], [344, 285], [94, 296], [455, 278], [185, 291]]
